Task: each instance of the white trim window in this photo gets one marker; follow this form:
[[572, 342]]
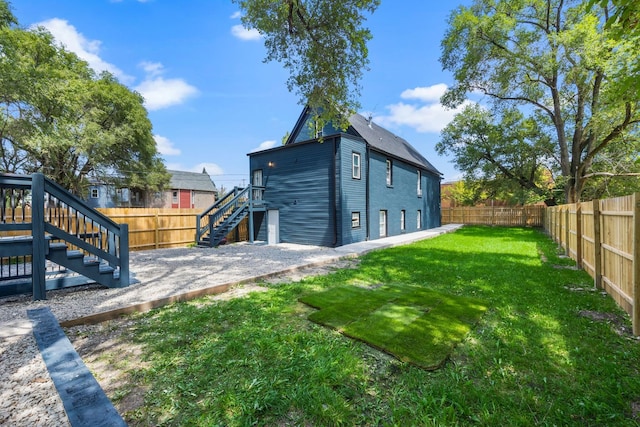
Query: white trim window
[[389, 173], [355, 165], [419, 183], [95, 193], [402, 220], [419, 219], [355, 219]]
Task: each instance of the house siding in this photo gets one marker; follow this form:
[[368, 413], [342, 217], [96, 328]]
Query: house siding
[[300, 184], [352, 194], [401, 195]]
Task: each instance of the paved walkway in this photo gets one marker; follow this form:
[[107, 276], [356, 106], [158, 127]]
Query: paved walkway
[[166, 276]]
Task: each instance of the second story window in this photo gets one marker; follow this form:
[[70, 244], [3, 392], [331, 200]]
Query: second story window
[[355, 165], [419, 184], [389, 173]]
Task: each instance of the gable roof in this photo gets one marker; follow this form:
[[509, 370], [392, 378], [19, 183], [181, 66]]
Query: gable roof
[[382, 140], [181, 180], [376, 136]]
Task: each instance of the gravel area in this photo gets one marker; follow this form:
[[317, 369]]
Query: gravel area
[[27, 394]]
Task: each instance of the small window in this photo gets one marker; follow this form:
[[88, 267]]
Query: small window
[[389, 173], [174, 197], [355, 165], [402, 220], [419, 184], [355, 219], [95, 193], [318, 130], [419, 219]]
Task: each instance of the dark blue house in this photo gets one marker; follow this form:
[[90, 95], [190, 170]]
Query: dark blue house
[[330, 188]]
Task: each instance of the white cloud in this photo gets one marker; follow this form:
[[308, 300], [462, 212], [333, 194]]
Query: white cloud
[[426, 94], [67, 35], [265, 146], [159, 92], [243, 33], [165, 146], [427, 115], [152, 69]]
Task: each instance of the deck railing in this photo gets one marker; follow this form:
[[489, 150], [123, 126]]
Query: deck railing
[[37, 212]]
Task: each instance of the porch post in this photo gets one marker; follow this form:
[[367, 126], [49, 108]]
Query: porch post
[[38, 260], [250, 213]]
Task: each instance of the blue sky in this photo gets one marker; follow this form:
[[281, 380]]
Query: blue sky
[[210, 96]]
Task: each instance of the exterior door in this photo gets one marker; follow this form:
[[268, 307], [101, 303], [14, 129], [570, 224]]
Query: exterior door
[[273, 227], [383, 223], [257, 182]]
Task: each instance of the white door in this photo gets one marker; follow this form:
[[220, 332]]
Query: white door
[[383, 223], [257, 181], [273, 227]]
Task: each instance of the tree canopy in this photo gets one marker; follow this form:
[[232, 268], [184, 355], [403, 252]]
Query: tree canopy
[[323, 45], [60, 118], [554, 62]]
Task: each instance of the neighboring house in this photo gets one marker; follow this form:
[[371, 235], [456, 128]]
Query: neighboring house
[[186, 190], [361, 184], [190, 190]]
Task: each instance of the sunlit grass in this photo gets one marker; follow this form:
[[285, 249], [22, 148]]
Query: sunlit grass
[[530, 360]]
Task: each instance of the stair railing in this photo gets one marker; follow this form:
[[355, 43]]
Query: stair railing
[[57, 215], [215, 214]]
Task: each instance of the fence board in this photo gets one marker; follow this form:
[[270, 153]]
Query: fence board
[[602, 236], [164, 228], [519, 216]]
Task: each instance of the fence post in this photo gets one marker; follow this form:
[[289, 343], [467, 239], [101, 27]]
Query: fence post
[[579, 234], [157, 229], [567, 230], [597, 244], [38, 261], [636, 264]]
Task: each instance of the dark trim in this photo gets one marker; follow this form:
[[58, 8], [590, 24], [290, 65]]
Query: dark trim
[[335, 193], [367, 195]]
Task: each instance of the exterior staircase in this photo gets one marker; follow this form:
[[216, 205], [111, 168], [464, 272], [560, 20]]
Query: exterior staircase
[[50, 239], [221, 218]]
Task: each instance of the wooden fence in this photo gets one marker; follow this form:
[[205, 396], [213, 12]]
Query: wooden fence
[[603, 237], [522, 216], [164, 228]]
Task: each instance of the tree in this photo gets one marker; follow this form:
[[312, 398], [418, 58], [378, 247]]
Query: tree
[[323, 45], [508, 155], [553, 61], [61, 119]]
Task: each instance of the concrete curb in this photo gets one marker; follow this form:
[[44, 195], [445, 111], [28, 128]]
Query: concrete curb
[[84, 401]]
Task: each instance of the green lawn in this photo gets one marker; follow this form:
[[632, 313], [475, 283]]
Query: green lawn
[[410, 322], [533, 358]]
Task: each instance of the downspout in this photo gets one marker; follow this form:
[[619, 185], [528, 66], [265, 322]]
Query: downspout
[[367, 191]]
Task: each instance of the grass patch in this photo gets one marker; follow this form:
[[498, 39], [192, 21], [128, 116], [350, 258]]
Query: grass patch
[[532, 358], [412, 323]]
